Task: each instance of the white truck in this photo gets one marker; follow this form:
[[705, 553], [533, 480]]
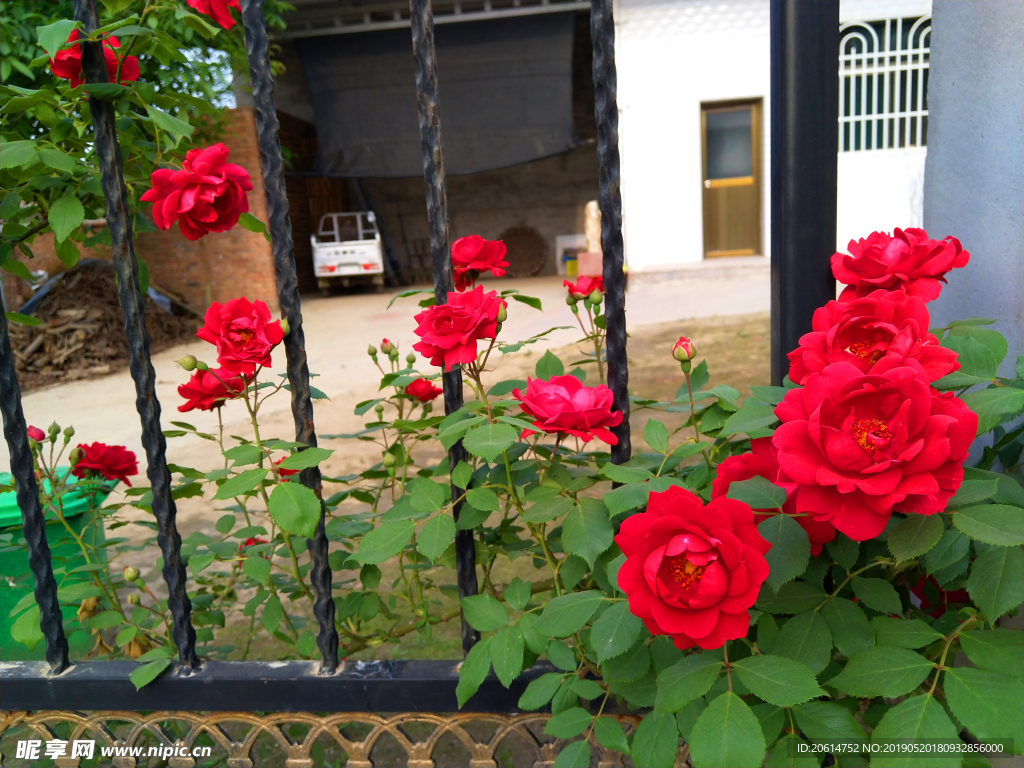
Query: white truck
[[347, 250]]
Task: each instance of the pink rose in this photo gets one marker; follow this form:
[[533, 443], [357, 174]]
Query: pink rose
[[564, 405], [449, 332]]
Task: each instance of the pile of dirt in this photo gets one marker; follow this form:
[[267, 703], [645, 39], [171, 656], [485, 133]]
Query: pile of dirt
[[82, 330]]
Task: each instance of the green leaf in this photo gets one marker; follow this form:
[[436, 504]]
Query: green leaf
[[504, 387], [257, 568], [66, 215], [615, 631], [848, 625], [778, 680], [902, 633], [166, 122], [308, 457], [199, 563], [827, 721], [805, 638], [549, 509], [998, 524], [384, 541], [539, 691], [786, 754], [507, 648], [549, 365], [973, 490], [251, 223], [610, 736], [273, 612], [994, 406], [17, 154], [626, 497], [996, 583], [484, 499], [567, 724], [975, 358], [436, 536], [146, 673], [688, 679], [295, 508], [586, 689], [770, 395], [878, 594], [749, 419], [629, 666], [517, 593], [790, 552], [795, 597], [26, 629], [586, 530], [52, 38], [56, 159], [240, 484], [656, 741], [427, 496], [473, 671], [918, 719], [844, 551], [757, 493], [561, 656], [17, 317], [488, 441], [620, 474], [484, 613], [574, 755], [951, 549], [882, 671], [998, 650], [656, 436], [990, 704], [915, 536], [727, 734], [568, 613], [17, 268]]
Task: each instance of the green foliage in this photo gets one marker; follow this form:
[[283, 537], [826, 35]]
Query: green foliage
[[727, 734]]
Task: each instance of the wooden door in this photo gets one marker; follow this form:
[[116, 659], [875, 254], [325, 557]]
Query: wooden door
[[731, 154]]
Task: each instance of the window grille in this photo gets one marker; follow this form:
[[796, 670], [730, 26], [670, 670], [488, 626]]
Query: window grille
[[883, 84]]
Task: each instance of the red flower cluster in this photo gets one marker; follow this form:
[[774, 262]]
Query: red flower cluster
[[243, 333], [68, 62], [584, 286], [449, 332], [217, 10], [563, 404], [113, 462], [207, 390], [908, 261], [472, 255], [692, 571], [206, 195], [423, 390]]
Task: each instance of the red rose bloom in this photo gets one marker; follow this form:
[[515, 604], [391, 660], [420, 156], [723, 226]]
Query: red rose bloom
[[930, 598], [862, 331], [472, 255], [68, 62], [763, 461], [584, 286], [36, 434], [423, 390], [217, 10], [206, 195], [692, 571], [563, 404], [282, 471], [206, 390], [114, 462], [906, 261], [449, 332], [861, 446], [243, 334]]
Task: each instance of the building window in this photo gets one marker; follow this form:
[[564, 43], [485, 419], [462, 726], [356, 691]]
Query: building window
[[883, 84]]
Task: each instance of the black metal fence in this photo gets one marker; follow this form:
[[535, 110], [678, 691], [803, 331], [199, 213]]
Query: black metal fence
[[803, 120]]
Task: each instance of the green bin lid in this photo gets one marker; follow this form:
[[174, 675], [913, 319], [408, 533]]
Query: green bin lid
[[75, 500]]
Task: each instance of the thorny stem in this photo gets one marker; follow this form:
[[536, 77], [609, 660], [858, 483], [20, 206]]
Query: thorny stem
[[728, 667], [941, 665]]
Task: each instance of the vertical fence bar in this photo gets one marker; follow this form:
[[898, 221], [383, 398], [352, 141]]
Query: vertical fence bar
[[257, 46], [804, 160], [437, 212], [108, 154], [33, 525], [606, 116]]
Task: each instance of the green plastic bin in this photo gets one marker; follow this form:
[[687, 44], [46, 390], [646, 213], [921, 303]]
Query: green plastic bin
[[64, 552]]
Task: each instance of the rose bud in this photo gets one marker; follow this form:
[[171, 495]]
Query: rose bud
[[571, 300], [379, 409], [502, 314], [385, 346], [69, 432], [201, 366], [371, 351], [134, 599], [35, 433], [53, 429], [286, 327], [188, 362], [388, 460], [73, 455], [131, 573], [411, 358], [684, 350], [595, 297]]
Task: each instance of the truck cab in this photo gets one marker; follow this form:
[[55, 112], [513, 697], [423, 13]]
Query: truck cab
[[347, 250]]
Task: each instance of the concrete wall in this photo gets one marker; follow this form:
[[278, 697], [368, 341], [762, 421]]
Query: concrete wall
[[974, 178]]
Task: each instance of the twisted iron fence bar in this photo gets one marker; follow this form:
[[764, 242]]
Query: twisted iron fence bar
[[429, 107], [33, 524], [606, 116], [123, 250], [257, 47]]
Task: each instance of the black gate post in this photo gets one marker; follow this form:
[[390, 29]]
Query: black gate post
[[804, 157]]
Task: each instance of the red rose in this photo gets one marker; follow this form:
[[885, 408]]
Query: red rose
[[36, 434], [114, 462], [385, 346], [449, 332], [68, 62], [563, 404], [207, 390], [763, 461], [217, 10], [684, 350], [860, 446], [907, 261], [423, 390], [862, 331], [473, 255], [927, 594], [282, 471], [243, 334], [584, 286], [206, 195], [692, 571]]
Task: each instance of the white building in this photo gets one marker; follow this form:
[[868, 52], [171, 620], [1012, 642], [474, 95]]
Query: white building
[[693, 93]]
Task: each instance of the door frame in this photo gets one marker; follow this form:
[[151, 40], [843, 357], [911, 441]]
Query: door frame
[[756, 105]]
